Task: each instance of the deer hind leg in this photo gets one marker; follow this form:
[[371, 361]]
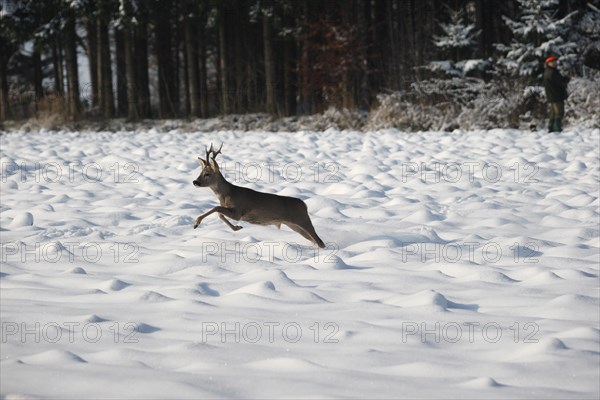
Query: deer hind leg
[[229, 224], [307, 232], [308, 227], [302, 219]]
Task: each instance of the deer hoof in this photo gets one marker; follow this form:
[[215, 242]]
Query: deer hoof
[[237, 228]]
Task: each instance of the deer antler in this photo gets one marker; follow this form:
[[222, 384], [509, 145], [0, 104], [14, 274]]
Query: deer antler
[[214, 153], [208, 153]]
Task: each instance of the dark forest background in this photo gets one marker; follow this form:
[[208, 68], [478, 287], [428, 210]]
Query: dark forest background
[[188, 59]]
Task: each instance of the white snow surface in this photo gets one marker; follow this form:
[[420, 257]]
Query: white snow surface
[[459, 265]]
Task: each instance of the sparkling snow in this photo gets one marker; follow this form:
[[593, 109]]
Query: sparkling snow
[[459, 265]]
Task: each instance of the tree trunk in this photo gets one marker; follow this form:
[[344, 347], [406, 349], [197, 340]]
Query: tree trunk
[[347, 75], [239, 35], [121, 72], [288, 90], [488, 25], [142, 86], [269, 66], [92, 53], [164, 57], [363, 90], [191, 49], [176, 50], [57, 60], [304, 67], [4, 105], [72, 72], [223, 61], [186, 79], [392, 49], [37, 75], [105, 90], [132, 101], [380, 42], [289, 84], [203, 77], [252, 69]]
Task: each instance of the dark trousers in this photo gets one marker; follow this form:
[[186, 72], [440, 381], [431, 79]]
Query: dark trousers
[[557, 112]]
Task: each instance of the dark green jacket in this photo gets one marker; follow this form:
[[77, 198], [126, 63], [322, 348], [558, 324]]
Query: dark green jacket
[[555, 85]]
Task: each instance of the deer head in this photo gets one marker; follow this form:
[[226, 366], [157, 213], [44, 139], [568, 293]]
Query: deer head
[[210, 169]]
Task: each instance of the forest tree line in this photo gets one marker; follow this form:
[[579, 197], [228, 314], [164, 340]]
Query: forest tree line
[[174, 59]]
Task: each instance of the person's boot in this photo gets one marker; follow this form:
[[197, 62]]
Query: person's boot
[[557, 125]]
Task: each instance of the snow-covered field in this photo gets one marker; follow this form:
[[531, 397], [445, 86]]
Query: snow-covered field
[[459, 265]]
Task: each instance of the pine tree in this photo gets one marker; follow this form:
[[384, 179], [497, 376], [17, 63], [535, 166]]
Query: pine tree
[[459, 36], [587, 35], [537, 33], [457, 44], [9, 44]]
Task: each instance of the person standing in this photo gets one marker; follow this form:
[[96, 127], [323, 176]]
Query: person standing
[[556, 93]]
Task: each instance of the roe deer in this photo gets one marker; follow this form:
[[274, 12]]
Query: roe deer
[[243, 204]]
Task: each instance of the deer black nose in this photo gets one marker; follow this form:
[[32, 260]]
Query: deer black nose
[[196, 183]]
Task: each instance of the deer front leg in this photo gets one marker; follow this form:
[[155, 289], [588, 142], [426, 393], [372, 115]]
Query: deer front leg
[[229, 224], [231, 213]]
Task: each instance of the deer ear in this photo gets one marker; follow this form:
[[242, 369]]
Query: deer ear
[[202, 162]]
